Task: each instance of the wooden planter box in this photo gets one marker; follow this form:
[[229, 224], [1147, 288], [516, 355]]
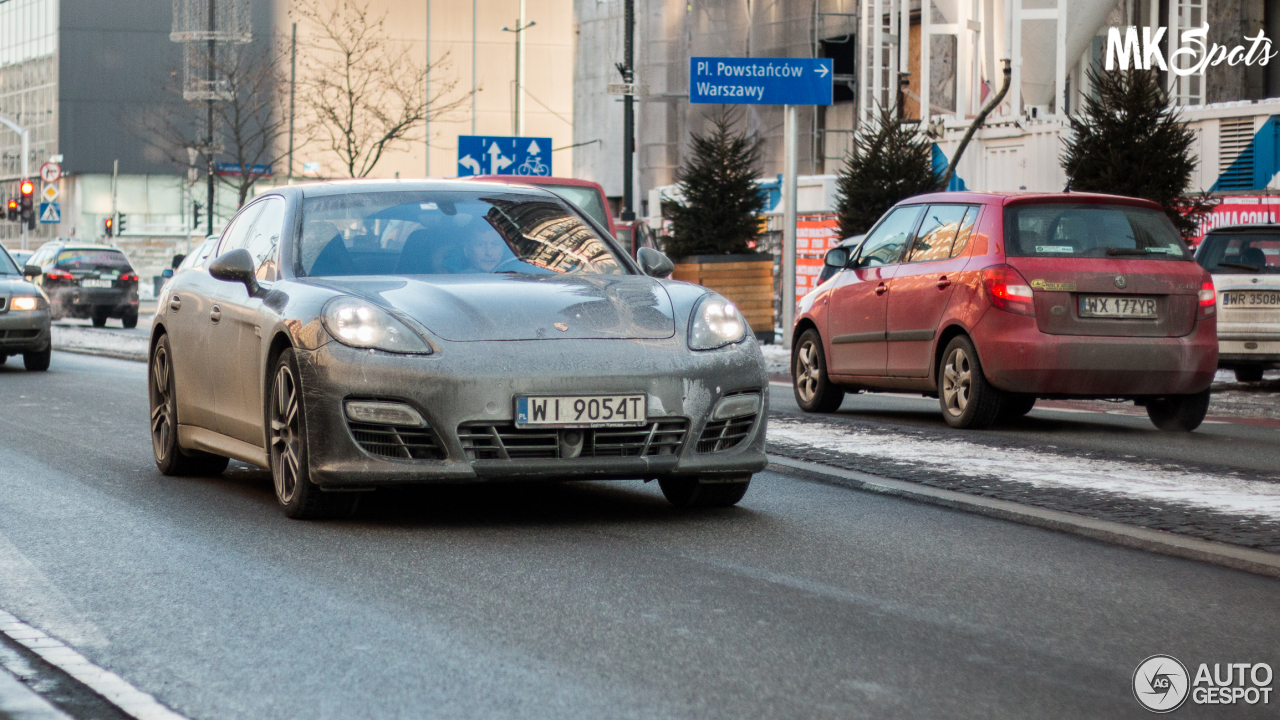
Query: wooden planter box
[[746, 280]]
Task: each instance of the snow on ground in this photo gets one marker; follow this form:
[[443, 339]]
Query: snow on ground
[[777, 359], [130, 344], [1219, 493]]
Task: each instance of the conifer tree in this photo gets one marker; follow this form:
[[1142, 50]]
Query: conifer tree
[[889, 161], [722, 203], [1129, 141]]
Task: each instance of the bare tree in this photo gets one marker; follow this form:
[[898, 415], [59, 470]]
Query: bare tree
[[251, 122], [361, 92]]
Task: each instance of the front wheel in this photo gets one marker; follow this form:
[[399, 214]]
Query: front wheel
[[287, 423], [968, 400], [1179, 413], [37, 361], [693, 492], [170, 458], [814, 391]]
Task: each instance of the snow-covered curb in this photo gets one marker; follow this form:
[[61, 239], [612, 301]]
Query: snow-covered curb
[[124, 344]]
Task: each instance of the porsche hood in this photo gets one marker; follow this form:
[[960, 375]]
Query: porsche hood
[[471, 308]]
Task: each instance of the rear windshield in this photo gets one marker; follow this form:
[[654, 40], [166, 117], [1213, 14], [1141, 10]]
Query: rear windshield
[[93, 260], [7, 266], [587, 200], [1091, 231], [448, 233], [1227, 254]]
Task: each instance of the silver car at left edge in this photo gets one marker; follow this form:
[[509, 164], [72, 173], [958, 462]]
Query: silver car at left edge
[[351, 335], [25, 322]]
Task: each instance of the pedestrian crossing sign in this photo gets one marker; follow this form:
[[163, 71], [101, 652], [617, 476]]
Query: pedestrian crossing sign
[[50, 212]]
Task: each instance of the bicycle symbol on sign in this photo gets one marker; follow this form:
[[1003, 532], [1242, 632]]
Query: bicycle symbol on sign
[[533, 165]]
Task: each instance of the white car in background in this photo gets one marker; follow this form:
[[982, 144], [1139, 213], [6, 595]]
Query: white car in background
[[1245, 264]]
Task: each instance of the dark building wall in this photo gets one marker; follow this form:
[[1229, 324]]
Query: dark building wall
[[116, 64]]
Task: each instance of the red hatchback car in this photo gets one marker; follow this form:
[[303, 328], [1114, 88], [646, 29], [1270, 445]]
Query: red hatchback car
[[989, 301]]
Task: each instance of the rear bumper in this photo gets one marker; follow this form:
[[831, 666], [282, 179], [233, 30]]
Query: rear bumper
[[24, 332], [1017, 357], [83, 302]]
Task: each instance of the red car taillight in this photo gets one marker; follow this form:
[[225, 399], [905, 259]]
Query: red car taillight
[[58, 275], [129, 277], [1208, 299], [1007, 290]]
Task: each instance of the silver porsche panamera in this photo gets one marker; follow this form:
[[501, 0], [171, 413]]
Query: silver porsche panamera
[[359, 334]]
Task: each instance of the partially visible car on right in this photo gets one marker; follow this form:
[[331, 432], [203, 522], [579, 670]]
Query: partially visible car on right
[[20, 257], [1245, 264]]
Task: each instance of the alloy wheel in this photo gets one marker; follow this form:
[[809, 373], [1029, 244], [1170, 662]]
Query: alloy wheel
[[162, 426], [807, 371], [957, 381], [285, 435]]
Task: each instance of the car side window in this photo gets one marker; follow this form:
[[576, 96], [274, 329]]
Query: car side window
[[885, 244], [236, 235], [265, 238], [937, 233]]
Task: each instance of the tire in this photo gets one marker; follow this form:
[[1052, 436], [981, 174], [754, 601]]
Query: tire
[[170, 458], [968, 401], [692, 492], [1016, 406], [813, 390], [287, 430], [130, 321], [99, 319], [3, 359], [1179, 413], [1249, 373], [37, 361]]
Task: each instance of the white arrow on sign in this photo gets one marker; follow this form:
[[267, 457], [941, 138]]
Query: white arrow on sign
[[822, 70], [471, 164], [496, 160], [533, 148]]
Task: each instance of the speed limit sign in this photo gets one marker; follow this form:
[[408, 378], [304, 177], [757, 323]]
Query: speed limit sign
[[50, 172]]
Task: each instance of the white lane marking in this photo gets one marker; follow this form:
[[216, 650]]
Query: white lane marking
[[130, 700], [19, 702], [24, 589]]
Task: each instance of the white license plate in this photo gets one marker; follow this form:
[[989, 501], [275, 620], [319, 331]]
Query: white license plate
[[1251, 299], [1111, 306], [90, 283], [586, 411]]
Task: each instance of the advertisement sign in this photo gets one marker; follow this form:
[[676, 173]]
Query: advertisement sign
[[1240, 210], [815, 235]]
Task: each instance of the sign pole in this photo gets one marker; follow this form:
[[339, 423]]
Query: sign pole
[[790, 130]]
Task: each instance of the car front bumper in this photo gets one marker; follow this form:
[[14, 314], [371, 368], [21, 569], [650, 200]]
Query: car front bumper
[[473, 386], [1017, 357], [24, 331]]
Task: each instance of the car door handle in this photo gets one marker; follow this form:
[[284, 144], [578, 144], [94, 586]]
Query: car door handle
[[175, 303], [881, 289], [943, 283], [216, 315]]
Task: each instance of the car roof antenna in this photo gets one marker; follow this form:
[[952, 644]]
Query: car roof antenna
[[1067, 189]]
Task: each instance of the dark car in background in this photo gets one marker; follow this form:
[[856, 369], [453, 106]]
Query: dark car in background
[[24, 317], [83, 280], [1245, 265]]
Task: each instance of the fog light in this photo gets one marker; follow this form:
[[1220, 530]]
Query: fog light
[[383, 413], [736, 406]]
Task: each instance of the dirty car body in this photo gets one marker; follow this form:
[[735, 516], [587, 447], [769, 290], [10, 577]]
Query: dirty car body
[[488, 302]]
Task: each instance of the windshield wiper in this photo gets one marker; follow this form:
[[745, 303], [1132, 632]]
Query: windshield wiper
[[1132, 251], [1242, 266]]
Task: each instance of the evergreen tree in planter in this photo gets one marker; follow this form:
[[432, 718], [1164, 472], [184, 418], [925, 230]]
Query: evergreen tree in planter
[[1128, 141], [889, 161], [722, 202]]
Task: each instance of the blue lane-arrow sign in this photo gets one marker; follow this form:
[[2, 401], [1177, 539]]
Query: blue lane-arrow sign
[[503, 155], [760, 81]]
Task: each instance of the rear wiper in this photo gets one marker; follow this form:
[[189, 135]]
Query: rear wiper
[[1132, 251], [1242, 266]]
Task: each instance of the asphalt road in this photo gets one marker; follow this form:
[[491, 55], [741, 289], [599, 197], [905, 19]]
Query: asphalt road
[[591, 600]]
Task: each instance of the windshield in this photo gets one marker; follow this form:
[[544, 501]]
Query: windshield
[[1235, 254], [88, 260], [442, 233], [1091, 231], [587, 200], [7, 265]]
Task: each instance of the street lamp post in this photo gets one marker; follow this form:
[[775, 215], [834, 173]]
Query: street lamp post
[[518, 120], [26, 161]]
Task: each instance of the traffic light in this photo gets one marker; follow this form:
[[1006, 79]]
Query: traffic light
[[13, 212], [195, 214], [109, 226], [120, 223], [27, 206]]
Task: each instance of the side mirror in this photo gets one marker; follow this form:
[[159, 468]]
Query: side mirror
[[836, 258], [653, 263], [236, 266], [166, 273], [30, 271]]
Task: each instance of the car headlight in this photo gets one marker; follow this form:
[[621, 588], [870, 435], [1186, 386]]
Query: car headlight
[[24, 303], [361, 324], [716, 322]]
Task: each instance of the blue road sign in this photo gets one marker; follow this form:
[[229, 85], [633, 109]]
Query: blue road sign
[[760, 81], [500, 155], [51, 213]]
